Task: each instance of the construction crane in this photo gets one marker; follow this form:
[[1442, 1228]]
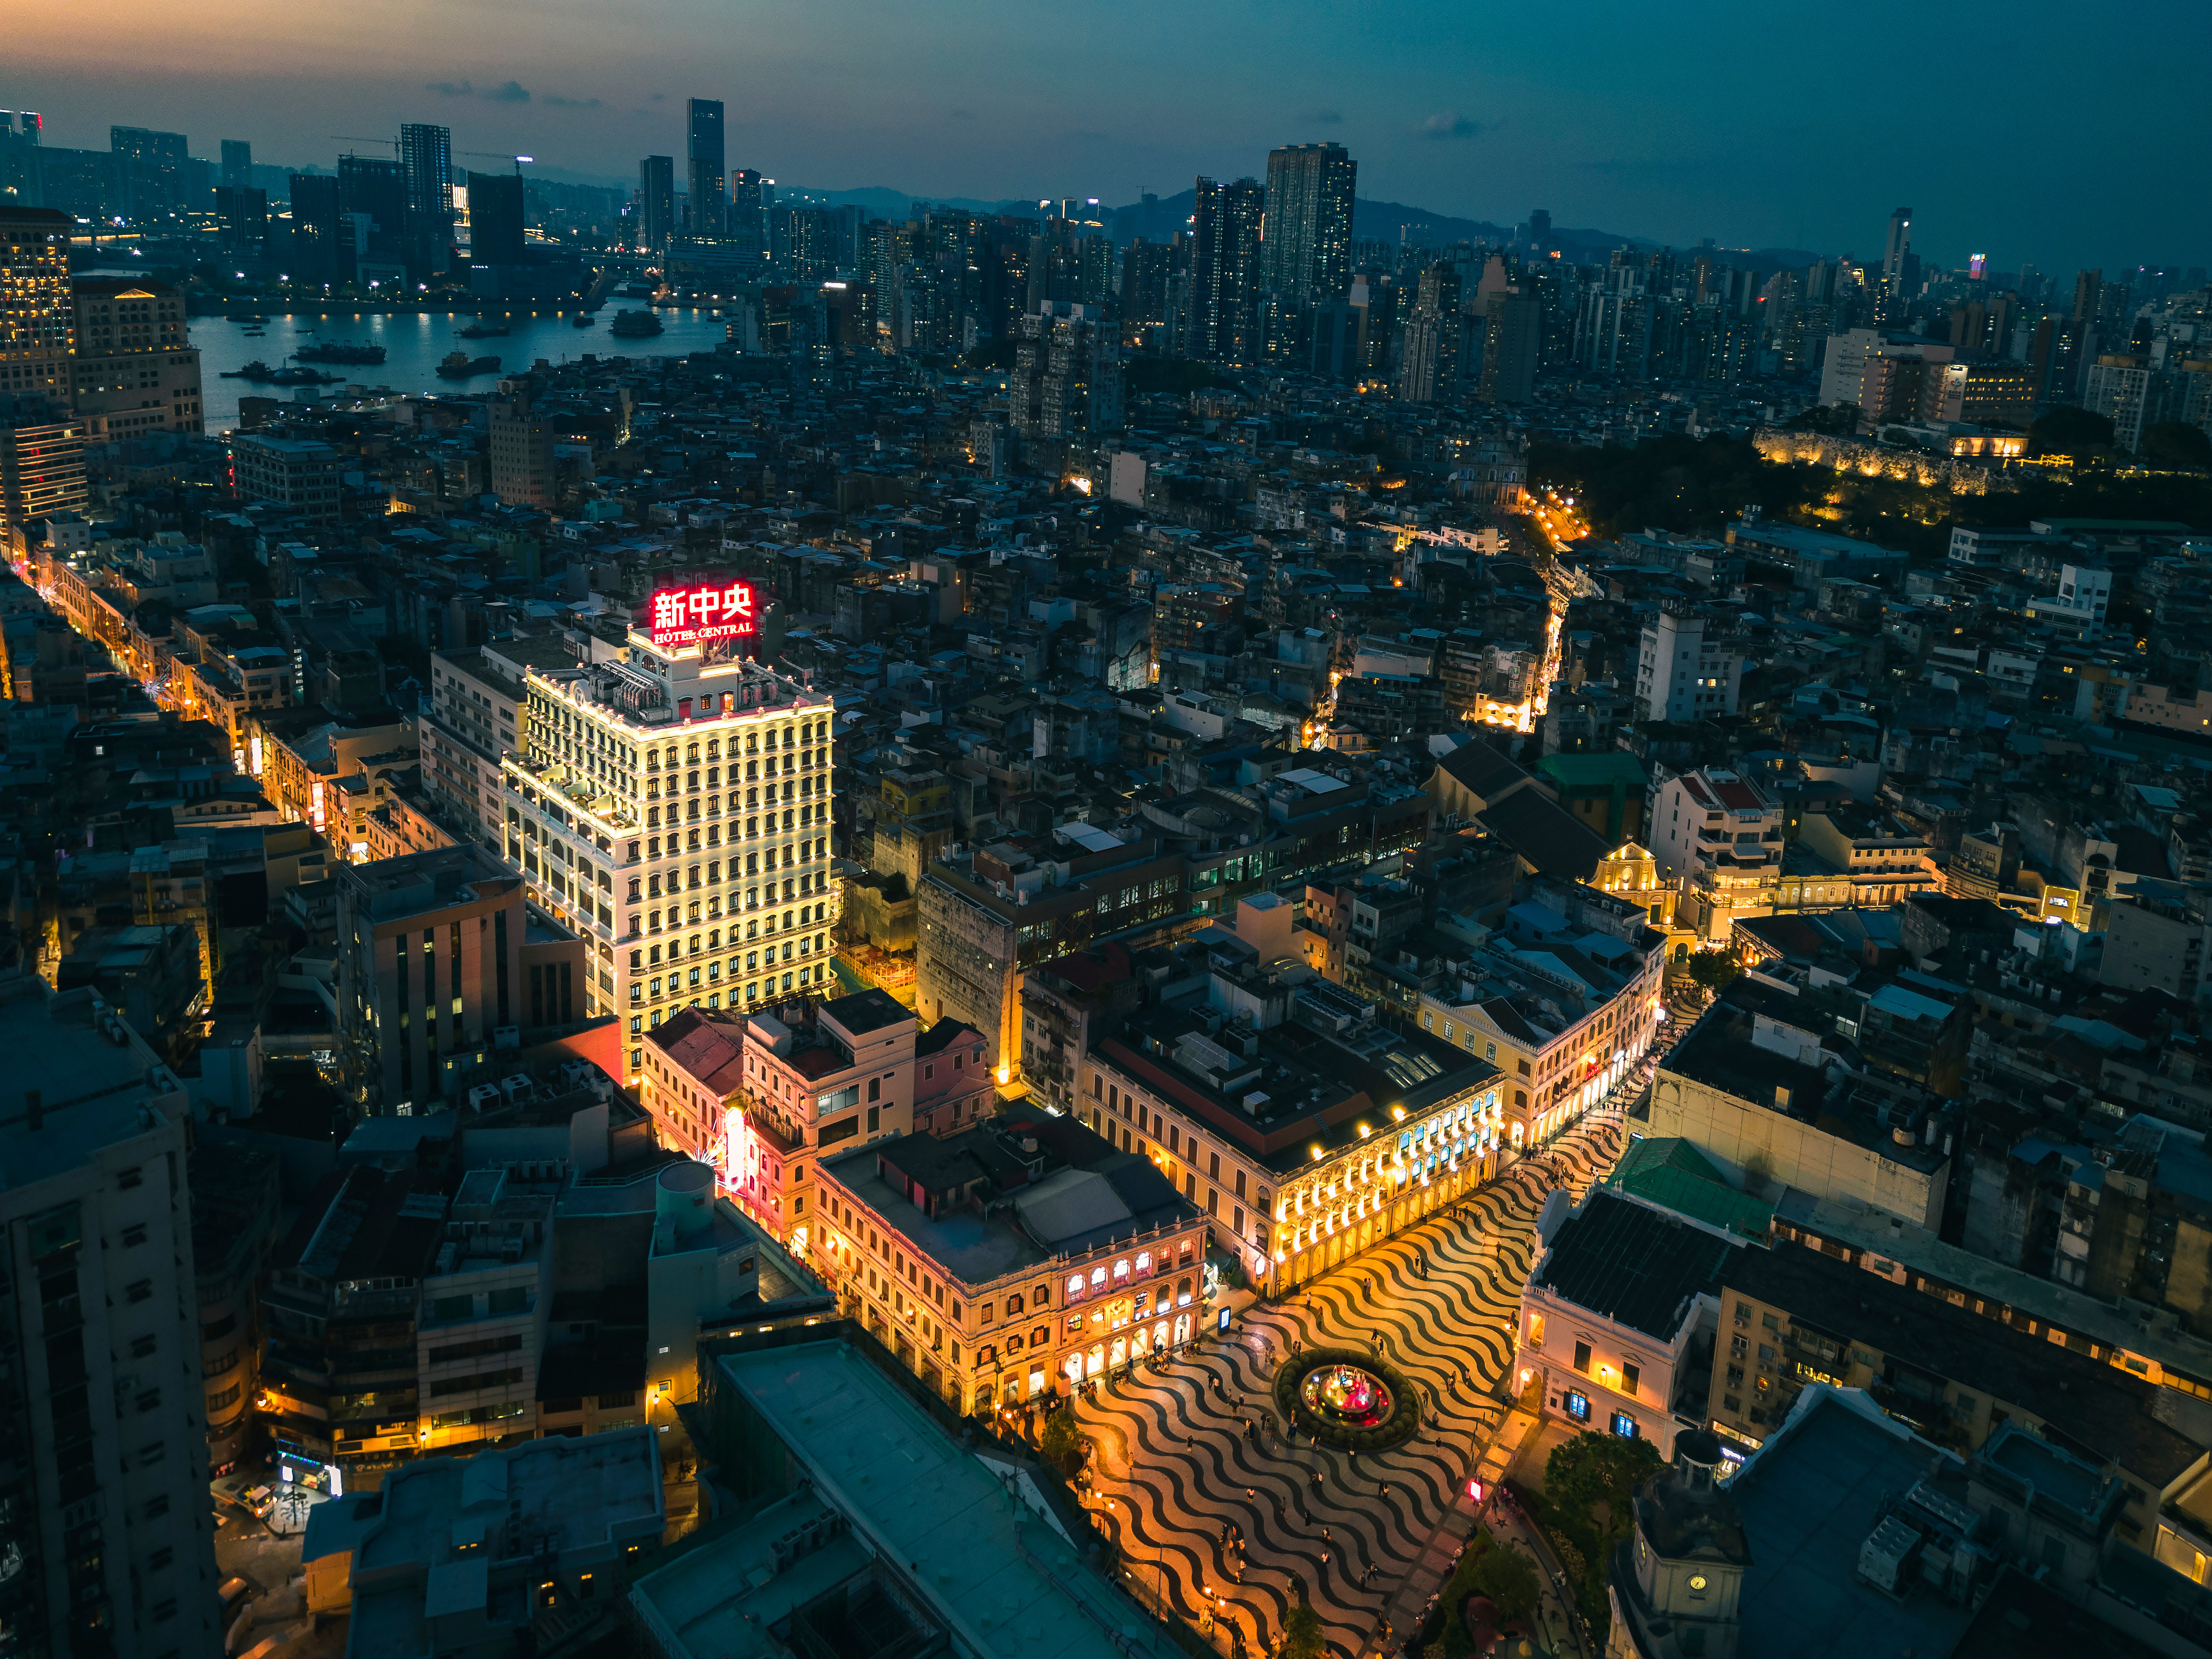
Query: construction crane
[[498, 156], [489, 155]]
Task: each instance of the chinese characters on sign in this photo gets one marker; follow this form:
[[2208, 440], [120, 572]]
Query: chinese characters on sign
[[694, 616]]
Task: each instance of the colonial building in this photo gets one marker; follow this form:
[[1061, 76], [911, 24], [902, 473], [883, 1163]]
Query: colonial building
[[761, 1096], [1617, 1318], [1305, 1128], [1562, 999], [1012, 1259]]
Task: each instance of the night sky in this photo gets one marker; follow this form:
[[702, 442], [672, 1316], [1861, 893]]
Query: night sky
[[2052, 134]]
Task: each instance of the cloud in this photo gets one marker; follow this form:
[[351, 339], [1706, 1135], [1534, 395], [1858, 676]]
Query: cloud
[[569, 103], [960, 115], [1322, 118], [1451, 123], [507, 92], [659, 97]]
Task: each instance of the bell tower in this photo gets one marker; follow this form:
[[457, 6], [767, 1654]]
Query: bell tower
[[1675, 1585]]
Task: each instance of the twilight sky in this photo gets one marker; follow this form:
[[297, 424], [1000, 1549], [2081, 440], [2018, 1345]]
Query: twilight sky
[[1756, 124]]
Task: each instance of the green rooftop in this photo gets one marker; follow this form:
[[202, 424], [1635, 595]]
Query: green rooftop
[[1672, 1172], [1596, 768]]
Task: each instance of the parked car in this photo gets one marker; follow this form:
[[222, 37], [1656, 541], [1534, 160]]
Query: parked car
[[259, 1501]]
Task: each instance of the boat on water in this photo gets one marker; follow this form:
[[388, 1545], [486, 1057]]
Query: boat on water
[[260, 373], [340, 351], [630, 325], [483, 331], [583, 320], [459, 364], [243, 317]]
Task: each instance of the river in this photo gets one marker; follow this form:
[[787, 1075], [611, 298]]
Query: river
[[414, 342]]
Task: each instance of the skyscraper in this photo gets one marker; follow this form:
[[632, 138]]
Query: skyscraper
[[426, 157], [322, 243], [1309, 222], [1430, 364], [656, 201], [1540, 230], [1898, 247], [244, 216], [706, 182], [748, 220], [375, 187], [496, 218], [373, 202], [1224, 269], [237, 163], [35, 313], [154, 164], [1144, 281], [2088, 285], [1512, 341]]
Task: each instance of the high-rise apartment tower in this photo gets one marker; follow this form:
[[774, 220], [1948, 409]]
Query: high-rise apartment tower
[[707, 181], [1307, 247]]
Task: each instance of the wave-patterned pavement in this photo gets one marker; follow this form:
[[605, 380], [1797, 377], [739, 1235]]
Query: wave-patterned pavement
[[1176, 1462]]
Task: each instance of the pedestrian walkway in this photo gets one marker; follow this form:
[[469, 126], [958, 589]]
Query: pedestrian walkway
[[1215, 1512]]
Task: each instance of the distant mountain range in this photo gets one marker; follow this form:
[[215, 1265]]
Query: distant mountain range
[[1383, 222]]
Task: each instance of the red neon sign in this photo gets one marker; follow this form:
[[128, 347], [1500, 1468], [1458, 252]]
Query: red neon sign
[[704, 611]]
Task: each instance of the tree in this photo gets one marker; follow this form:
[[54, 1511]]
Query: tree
[[2068, 430], [1508, 1580], [1061, 1443], [1836, 419], [1715, 969], [2177, 443], [1303, 1638], [1594, 1468]]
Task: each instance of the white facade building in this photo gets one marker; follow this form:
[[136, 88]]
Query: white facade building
[[1684, 673], [1720, 835], [675, 813], [2082, 598]]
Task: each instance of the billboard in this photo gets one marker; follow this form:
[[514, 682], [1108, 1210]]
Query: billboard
[[700, 613]]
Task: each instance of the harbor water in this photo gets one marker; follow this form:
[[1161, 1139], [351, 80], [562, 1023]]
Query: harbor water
[[414, 341]]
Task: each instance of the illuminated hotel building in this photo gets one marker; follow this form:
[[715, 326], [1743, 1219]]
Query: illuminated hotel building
[[670, 804]]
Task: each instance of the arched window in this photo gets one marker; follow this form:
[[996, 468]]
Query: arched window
[[1074, 1286], [1144, 1262], [1122, 1272]]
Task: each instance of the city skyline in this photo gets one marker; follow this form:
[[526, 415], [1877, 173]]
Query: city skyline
[[1470, 124]]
